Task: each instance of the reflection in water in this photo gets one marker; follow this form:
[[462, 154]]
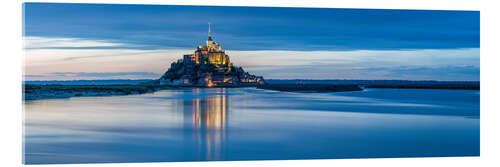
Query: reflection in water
[[188, 124], [206, 118]]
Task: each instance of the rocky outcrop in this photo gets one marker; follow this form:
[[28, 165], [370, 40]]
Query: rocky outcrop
[[206, 75]]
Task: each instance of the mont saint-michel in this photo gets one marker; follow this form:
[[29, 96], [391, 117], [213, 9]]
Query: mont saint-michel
[[208, 66], [118, 83]]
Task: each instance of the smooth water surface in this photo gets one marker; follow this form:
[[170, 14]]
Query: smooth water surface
[[194, 124]]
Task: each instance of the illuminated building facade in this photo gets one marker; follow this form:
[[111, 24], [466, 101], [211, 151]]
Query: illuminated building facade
[[208, 66], [211, 53]]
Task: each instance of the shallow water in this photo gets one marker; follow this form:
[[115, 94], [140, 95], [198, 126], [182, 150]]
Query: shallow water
[[252, 124]]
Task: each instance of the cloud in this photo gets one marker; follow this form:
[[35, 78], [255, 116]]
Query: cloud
[[424, 64], [325, 71], [256, 28], [46, 59], [105, 74], [93, 75], [447, 73], [359, 58], [416, 64], [33, 42]]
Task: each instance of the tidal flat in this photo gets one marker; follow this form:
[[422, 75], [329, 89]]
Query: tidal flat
[[67, 89], [34, 92], [214, 124]]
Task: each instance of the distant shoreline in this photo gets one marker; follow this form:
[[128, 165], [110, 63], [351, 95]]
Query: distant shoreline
[[304, 81], [54, 91], [57, 89], [310, 87], [450, 87], [36, 92]]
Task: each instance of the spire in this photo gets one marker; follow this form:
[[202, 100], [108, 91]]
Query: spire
[[209, 32]]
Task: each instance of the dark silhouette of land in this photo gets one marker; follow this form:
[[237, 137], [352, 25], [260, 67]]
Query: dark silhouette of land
[[310, 87], [34, 90]]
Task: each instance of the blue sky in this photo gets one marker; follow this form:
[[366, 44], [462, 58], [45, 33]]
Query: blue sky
[[329, 43]]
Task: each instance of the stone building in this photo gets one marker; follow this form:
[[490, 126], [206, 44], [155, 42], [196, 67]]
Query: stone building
[[211, 53], [209, 65]]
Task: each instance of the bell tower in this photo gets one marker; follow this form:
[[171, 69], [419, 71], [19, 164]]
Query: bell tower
[[211, 45], [209, 32]]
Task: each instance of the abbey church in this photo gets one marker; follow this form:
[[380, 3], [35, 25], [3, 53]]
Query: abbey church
[[208, 66]]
